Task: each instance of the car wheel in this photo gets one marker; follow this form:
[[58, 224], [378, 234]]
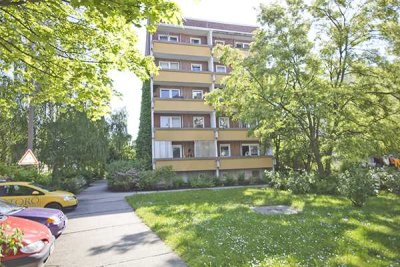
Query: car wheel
[[54, 205]]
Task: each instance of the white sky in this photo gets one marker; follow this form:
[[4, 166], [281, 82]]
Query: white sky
[[230, 11]]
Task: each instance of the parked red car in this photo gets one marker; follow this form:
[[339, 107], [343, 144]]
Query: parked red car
[[37, 241]]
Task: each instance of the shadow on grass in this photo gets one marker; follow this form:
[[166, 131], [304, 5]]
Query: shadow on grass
[[219, 228]]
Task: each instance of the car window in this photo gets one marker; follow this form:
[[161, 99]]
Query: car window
[[19, 190], [3, 190]]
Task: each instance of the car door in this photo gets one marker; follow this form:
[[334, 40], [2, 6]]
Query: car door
[[21, 195]]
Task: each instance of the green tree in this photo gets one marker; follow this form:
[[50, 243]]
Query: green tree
[[143, 141], [120, 142], [61, 51], [315, 73], [72, 145]]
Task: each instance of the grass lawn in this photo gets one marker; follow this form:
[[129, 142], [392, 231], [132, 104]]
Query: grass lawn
[[218, 228]]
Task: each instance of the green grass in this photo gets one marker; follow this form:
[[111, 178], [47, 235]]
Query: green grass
[[218, 228]]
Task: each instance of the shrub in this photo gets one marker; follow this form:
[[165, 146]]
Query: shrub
[[229, 180], [202, 180], [242, 179], [123, 181], [121, 166], [357, 184], [326, 185], [74, 184]]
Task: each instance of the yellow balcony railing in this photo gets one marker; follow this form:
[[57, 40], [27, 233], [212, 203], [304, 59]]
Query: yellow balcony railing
[[181, 49], [235, 135], [184, 134], [261, 162], [188, 164], [183, 77], [176, 104]]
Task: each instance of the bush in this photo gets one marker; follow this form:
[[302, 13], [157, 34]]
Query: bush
[[74, 184], [202, 180], [357, 184], [298, 183], [20, 173], [242, 179], [121, 166], [123, 181], [229, 180]]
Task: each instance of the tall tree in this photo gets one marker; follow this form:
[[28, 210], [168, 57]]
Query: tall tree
[[120, 141], [143, 141], [316, 71], [68, 47]]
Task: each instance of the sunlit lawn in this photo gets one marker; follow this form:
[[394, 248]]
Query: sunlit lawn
[[218, 228]]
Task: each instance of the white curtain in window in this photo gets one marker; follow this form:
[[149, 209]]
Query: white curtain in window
[[204, 149], [162, 149]]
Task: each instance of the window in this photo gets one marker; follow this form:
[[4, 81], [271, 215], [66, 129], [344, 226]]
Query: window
[[244, 125], [196, 67], [242, 45], [221, 42], [198, 122], [250, 150], [17, 190], [177, 151], [196, 41], [225, 150], [170, 122], [220, 68], [223, 122], [166, 65], [197, 94], [170, 93], [168, 38]]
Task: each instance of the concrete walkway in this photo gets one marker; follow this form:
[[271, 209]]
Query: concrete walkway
[[104, 231]]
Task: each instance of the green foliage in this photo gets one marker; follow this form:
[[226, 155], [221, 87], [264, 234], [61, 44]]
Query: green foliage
[[229, 180], [219, 227], [143, 141], [201, 180], [119, 144], [69, 47], [10, 240], [319, 97], [357, 184], [73, 146]]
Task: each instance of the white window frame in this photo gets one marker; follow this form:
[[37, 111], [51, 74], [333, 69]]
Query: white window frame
[[221, 42], [219, 123], [170, 119], [196, 91], [195, 39], [196, 117], [243, 44], [220, 66], [169, 65], [196, 64], [250, 145], [169, 92], [229, 150], [180, 151], [168, 38]]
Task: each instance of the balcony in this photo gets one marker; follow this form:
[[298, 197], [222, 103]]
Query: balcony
[[184, 134], [180, 50], [261, 162], [219, 78], [188, 164], [235, 135], [177, 104], [171, 77]]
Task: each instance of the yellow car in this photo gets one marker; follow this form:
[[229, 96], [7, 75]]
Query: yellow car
[[28, 194]]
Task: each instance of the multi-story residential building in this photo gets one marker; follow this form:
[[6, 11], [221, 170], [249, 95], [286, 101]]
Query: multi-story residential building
[[187, 133]]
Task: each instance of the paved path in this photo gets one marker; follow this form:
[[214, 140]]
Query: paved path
[[104, 231]]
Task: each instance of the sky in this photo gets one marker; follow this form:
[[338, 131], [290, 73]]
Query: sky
[[229, 11]]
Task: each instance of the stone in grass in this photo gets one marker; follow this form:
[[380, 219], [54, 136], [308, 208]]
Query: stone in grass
[[278, 209]]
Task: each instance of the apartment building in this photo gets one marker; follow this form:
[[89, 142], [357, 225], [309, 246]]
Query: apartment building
[[187, 133]]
